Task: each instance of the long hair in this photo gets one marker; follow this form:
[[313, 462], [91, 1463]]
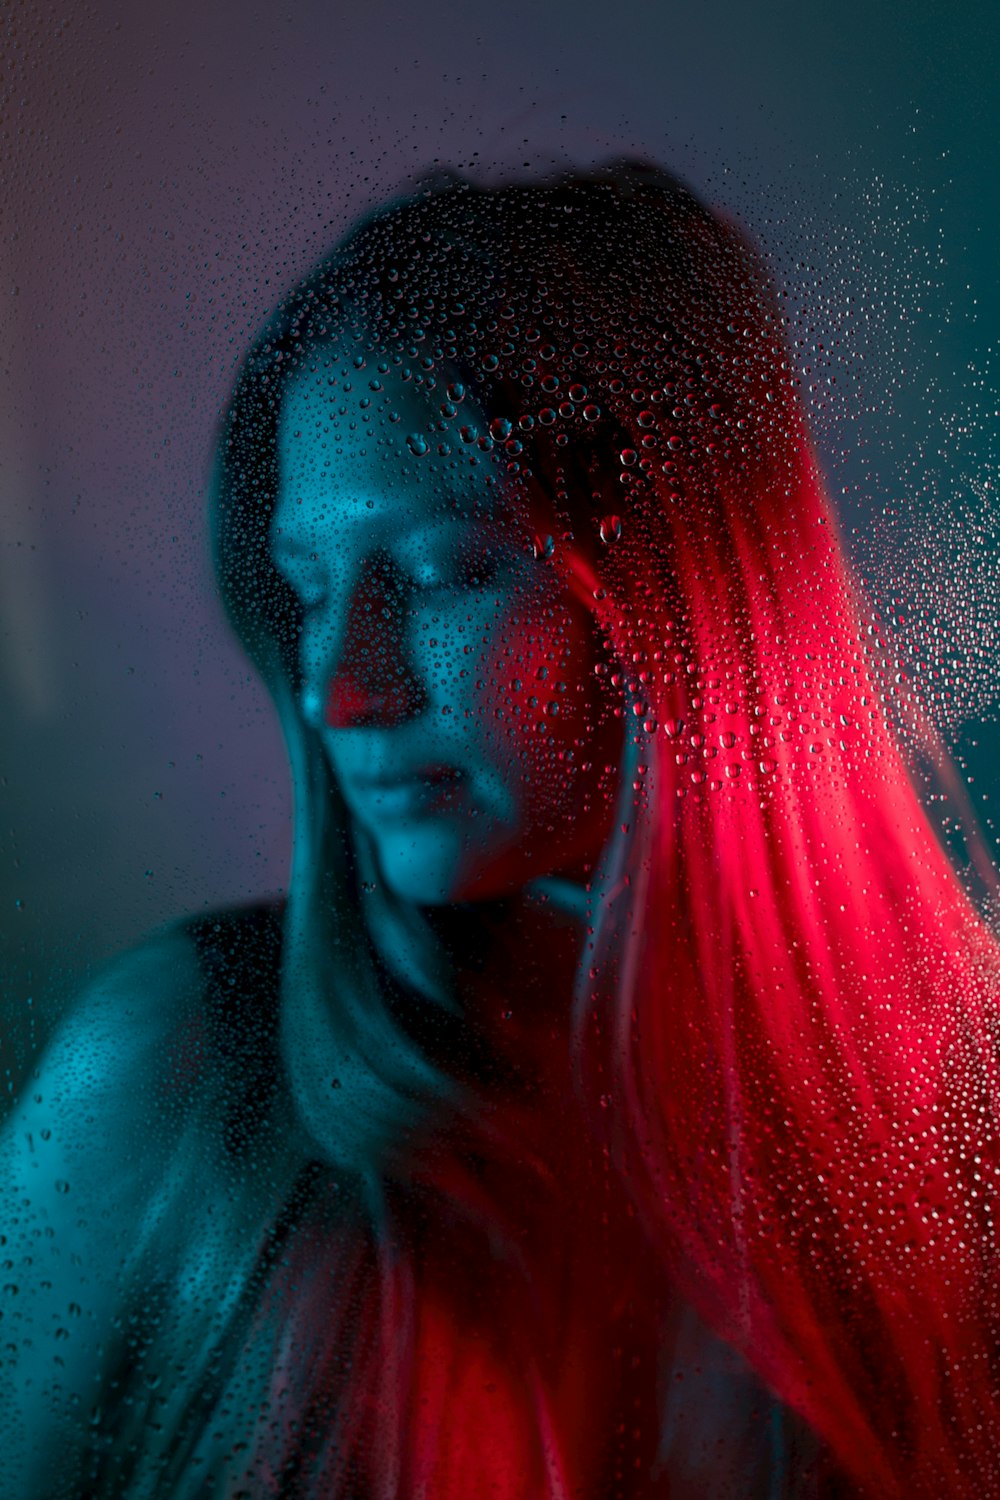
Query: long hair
[[782, 1037]]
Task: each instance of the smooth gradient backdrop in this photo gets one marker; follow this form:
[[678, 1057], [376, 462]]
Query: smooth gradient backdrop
[[166, 171]]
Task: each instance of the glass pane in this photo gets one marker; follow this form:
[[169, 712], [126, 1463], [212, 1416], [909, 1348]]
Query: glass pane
[[500, 703]]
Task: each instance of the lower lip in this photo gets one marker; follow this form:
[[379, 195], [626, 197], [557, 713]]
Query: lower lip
[[420, 797]]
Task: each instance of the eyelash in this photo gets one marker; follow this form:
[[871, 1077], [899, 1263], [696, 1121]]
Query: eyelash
[[471, 579], [310, 601]]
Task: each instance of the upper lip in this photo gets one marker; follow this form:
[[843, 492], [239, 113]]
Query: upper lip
[[422, 775]]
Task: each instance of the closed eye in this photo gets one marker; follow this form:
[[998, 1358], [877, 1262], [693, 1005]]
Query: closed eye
[[478, 574], [306, 579], [470, 576]]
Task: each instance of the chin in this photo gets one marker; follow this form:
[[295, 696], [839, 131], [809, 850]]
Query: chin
[[435, 867], [421, 865]]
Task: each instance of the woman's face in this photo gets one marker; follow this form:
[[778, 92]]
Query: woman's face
[[449, 672]]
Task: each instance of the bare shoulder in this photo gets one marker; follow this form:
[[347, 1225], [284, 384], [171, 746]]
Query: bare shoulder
[[103, 1065], [161, 1042], [118, 1140]]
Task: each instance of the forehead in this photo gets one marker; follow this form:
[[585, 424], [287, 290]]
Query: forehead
[[372, 447]]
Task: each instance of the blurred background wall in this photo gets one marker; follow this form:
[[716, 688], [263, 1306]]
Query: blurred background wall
[[165, 171]]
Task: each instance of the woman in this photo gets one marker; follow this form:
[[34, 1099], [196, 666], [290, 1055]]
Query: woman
[[611, 1109]]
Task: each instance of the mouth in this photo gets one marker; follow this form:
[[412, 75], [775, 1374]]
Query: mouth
[[428, 789]]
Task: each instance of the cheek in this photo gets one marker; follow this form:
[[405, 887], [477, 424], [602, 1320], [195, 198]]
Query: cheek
[[512, 677], [539, 702]]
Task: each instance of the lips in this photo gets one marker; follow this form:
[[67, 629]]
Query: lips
[[395, 794]]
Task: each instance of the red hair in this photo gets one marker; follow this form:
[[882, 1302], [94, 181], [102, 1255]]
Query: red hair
[[784, 1044], [801, 1068]]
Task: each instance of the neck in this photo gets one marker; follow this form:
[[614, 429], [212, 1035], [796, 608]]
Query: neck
[[515, 959]]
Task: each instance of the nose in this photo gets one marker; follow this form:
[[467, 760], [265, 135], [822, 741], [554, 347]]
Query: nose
[[373, 682]]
